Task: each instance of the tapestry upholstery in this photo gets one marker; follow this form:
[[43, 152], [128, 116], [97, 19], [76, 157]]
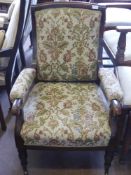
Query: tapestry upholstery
[[67, 44], [22, 84], [66, 114], [110, 84]]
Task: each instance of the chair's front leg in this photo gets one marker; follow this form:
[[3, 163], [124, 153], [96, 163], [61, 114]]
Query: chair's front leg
[[115, 113], [109, 154], [20, 142], [17, 110], [126, 140]]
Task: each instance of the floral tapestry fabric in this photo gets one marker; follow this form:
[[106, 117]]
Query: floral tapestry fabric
[[110, 84], [66, 114], [22, 84], [67, 44]]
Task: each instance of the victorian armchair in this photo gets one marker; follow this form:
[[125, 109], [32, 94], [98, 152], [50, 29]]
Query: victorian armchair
[[60, 104]]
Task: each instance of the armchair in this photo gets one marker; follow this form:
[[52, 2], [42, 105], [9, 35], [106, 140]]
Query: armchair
[[60, 105]]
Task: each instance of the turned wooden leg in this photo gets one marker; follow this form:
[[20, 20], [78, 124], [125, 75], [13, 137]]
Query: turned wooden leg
[[22, 152], [126, 141], [109, 154], [23, 159]]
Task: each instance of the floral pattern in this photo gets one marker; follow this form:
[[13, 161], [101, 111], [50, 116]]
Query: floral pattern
[[22, 84], [67, 44], [66, 114], [110, 84]]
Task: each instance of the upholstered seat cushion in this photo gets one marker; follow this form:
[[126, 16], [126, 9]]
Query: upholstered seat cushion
[[66, 114], [118, 16], [124, 75], [111, 38]]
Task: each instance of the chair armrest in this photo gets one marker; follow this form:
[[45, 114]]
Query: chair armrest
[[23, 84], [115, 108], [116, 4], [16, 107], [116, 16], [110, 84], [123, 28]]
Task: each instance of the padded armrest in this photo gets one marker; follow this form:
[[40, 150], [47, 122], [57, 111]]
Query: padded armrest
[[22, 84], [110, 84], [123, 28], [116, 4], [118, 17]]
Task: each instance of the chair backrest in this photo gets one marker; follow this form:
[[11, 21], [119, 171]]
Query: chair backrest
[[67, 41]]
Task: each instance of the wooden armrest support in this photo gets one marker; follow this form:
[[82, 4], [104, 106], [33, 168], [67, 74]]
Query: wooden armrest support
[[17, 104], [123, 28], [115, 107]]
